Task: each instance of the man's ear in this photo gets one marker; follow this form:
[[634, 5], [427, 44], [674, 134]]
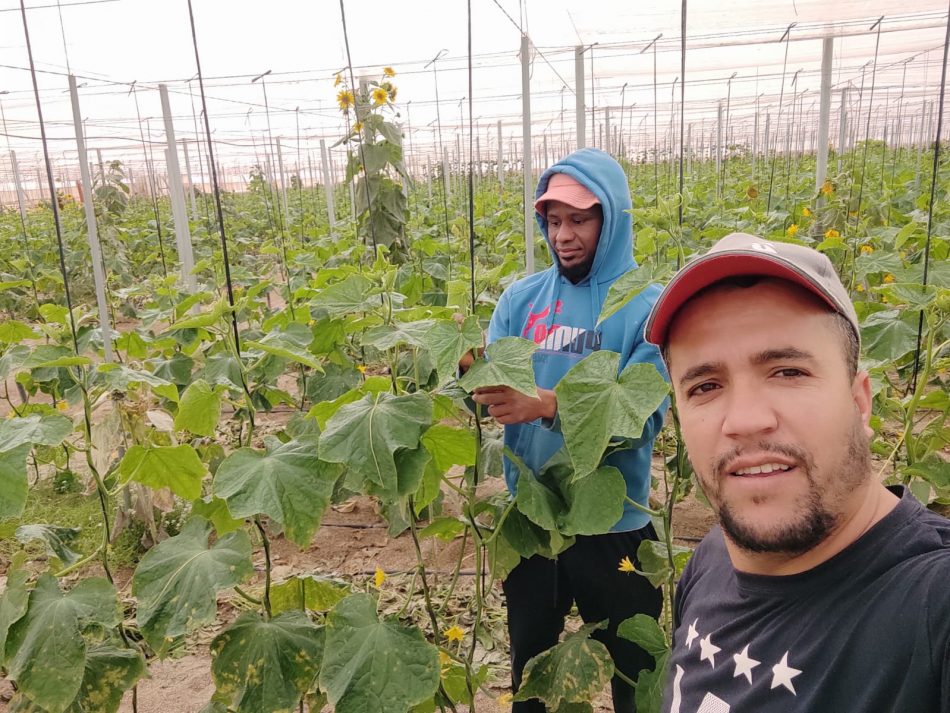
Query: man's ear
[[861, 393]]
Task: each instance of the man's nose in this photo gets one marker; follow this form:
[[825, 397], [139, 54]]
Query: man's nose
[[748, 412]]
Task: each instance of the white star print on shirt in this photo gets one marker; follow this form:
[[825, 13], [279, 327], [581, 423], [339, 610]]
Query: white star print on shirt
[[782, 674], [692, 634], [708, 650], [745, 664]]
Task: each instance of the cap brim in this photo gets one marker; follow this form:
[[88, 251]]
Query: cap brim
[[710, 269]]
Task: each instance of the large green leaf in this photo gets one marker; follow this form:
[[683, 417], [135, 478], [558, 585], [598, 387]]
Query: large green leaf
[[39, 430], [290, 342], [199, 408], [654, 559], [388, 336], [107, 674], [13, 332], [366, 434], [216, 510], [373, 666], [264, 666], [645, 632], [573, 671], [287, 482], [310, 591], [177, 580], [176, 467], [595, 405], [118, 377], [650, 686], [55, 539], [889, 335], [354, 294], [629, 285], [450, 446], [13, 604], [14, 485], [507, 362], [45, 650], [447, 341]]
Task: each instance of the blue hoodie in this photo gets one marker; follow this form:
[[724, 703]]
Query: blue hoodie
[[560, 317]]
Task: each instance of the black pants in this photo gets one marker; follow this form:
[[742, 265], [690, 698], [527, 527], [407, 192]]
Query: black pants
[[539, 593]]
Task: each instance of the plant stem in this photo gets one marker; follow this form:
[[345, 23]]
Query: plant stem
[[267, 565], [241, 593]]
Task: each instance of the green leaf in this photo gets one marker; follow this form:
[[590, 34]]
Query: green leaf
[[389, 336], [450, 446], [13, 332], [538, 502], [935, 470], [373, 666], [45, 650], [266, 665], [366, 434], [594, 504], [38, 430], [910, 296], [888, 336], [205, 319], [429, 488], [447, 341], [118, 377], [596, 405], [629, 285], [650, 685], [13, 604], [332, 383], [199, 408], [287, 482], [216, 511], [875, 263], [645, 632], [307, 591], [445, 528], [14, 484], [655, 563], [507, 362], [290, 342], [55, 539], [175, 467], [573, 671], [176, 581], [354, 294]]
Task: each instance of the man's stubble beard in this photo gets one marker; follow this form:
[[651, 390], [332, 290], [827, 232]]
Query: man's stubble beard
[[578, 272], [820, 506]]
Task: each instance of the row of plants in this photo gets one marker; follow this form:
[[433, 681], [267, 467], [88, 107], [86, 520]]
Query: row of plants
[[369, 321]]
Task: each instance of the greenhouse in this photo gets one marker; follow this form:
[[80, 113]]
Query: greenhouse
[[258, 257]]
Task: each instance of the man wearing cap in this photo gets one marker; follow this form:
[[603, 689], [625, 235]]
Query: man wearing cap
[[582, 205], [821, 589]]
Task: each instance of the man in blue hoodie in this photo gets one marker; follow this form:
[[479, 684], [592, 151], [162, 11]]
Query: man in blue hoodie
[[583, 207]]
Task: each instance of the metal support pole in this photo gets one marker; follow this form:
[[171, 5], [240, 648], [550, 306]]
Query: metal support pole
[[842, 124], [98, 274], [501, 159], [526, 153], [177, 195], [191, 183], [328, 184], [20, 195], [283, 184], [824, 112], [580, 111]]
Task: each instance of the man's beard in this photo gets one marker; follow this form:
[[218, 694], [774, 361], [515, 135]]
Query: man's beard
[[577, 272], [820, 507]]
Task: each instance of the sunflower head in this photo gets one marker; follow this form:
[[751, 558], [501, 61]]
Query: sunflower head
[[345, 99], [389, 72], [380, 96], [792, 230], [338, 79], [832, 233]]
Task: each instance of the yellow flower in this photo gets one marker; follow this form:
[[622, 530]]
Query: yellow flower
[[444, 659], [380, 96], [62, 405], [345, 99], [392, 93], [792, 230], [379, 577], [337, 80], [357, 127], [832, 233], [361, 368], [626, 565], [454, 633], [752, 193], [806, 212], [504, 699], [866, 249], [860, 287], [888, 278], [389, 72], [827, 188]]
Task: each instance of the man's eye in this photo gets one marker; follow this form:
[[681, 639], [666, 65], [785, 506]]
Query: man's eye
[[703, 388], [789, 372]]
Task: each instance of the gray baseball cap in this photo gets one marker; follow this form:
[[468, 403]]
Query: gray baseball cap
[[742, 254]]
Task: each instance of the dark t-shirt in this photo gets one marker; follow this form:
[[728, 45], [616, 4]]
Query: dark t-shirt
[[867, 631]]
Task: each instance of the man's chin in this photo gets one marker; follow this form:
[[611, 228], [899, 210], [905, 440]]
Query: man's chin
[[575, 273]]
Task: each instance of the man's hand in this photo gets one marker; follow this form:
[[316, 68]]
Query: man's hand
[[508, 406]]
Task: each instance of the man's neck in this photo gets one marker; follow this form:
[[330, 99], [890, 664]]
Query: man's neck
[[870, 505]]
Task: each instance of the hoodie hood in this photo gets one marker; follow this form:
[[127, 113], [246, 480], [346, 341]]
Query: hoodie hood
[[605, 178]]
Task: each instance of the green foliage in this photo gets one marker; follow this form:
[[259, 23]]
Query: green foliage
[[507, 362]]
